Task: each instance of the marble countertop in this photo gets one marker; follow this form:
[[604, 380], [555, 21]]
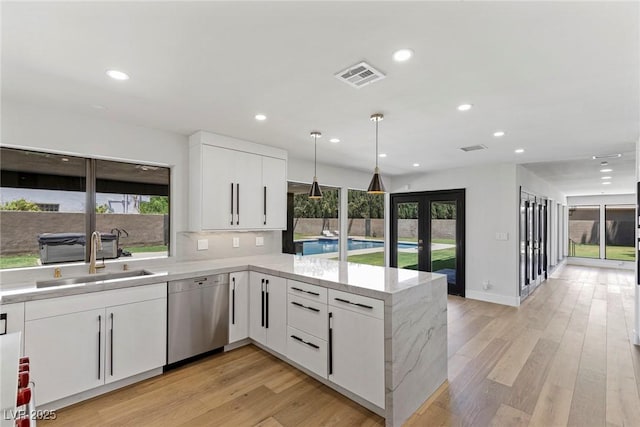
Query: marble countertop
[[367, 280]]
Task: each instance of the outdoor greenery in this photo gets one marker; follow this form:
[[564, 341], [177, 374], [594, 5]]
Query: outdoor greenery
[[620, 253], [444, 258], [103, 209], [138, 249], [439, 210], [20, 205], [156, 205]]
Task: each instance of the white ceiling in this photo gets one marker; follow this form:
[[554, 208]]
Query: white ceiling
[[561, 78]]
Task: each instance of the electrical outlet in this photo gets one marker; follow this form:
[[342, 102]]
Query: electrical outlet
[[236, 242], [486, 285], [203, 244], [259, 241]]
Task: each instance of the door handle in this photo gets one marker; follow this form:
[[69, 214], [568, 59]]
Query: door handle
[[330, 343], [99, 343], [233, 301], [238, 204], [262, 310], [265, 205], [232, 203], [3, 319], [266, 321], [111, 346]]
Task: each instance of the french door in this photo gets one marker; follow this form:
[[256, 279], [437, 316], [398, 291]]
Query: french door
[[533, 242], [427, 234]]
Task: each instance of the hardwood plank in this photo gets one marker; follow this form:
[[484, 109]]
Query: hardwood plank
[[511, 417], [507, 369], [269, 422]]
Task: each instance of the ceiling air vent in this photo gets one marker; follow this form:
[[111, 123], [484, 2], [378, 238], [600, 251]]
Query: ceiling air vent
[[360, 75], [473, 148]]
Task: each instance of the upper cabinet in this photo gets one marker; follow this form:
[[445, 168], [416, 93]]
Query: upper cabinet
[[235, 184]]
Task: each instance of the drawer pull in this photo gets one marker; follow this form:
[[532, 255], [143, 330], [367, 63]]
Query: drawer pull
[[310, 344], [354, 303], [305, 291], [304, 306]]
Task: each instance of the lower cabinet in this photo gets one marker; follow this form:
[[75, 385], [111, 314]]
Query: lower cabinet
[[12, 319], [356, 345], [238, 306], [80, 342], [268, 311]]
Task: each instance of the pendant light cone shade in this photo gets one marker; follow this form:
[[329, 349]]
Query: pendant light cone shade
[[314, 191], [376, 186]]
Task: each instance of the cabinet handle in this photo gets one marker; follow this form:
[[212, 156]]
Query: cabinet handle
[[3, 319], [308, 292], [304, 306], [267, 305], [330, 343], [310, 344], [262, 309], [111, 346], [233, 301], [265, 205], [232, 203], [354, 303], [238, 203], [99, 342]]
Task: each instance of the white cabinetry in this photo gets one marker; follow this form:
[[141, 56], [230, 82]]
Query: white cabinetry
[[12, 319], [356, 345], [235, 185], [238, 306], [268, 311], [80, 342]]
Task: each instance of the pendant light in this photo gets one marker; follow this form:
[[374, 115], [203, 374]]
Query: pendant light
[[315, 192], [376, 186]]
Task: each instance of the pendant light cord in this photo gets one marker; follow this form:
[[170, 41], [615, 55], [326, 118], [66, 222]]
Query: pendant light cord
[[377, 143], [315, 155]]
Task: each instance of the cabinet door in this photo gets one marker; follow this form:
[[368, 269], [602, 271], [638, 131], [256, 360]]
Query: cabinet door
[[257, 293], [136, 337], [218, 176], [248, 178], [66, 353], [238, 306], [276, 313], [356, 354], [12, 320], [274, 193]]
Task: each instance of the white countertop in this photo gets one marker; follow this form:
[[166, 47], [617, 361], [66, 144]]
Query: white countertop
[[373, 281]]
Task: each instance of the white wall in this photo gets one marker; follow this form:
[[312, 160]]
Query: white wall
[[636, 331], [491, 207], [602, 199]]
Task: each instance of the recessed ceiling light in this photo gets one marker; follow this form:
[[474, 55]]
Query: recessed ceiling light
[[606, 183], [261, 117], [604, 163], [415, 165], [334, 140], [382, 155], [402, 55], [117, 75], [606, 170], [464, 107], [498, 133], [519, 151], [65, 159], [605, 177]]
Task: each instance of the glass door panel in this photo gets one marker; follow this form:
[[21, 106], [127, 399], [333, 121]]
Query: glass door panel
[[442, 237], [408, 243]]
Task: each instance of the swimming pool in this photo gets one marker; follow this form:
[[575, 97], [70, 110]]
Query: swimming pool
[[323, 246]]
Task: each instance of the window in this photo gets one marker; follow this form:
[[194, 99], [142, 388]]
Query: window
[[366, 228], [584, 231], [619, 232], [45, 216], [316, 222]]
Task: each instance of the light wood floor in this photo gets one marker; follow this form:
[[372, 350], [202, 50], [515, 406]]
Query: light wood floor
[[563, 358]]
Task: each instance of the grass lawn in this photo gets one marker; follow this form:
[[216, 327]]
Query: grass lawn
[[298, 236], [620, 253], [136, 249], [445, 258], [19, 261]]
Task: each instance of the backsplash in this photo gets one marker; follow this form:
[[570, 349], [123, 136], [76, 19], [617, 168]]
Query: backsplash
[[220, 244]]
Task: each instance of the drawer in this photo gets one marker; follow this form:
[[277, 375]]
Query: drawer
[[313, 292], [357, 303], [308, 316], [307, 351]]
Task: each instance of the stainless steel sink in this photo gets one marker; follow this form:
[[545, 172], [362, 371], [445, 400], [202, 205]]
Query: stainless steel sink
[[91, 278]]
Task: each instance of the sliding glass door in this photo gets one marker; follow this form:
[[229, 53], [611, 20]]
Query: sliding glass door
[[428, 234]]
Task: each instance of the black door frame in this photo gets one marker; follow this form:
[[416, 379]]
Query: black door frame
[[424, 199]]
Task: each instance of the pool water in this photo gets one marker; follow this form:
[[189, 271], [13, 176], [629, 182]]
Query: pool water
[[323, 246]]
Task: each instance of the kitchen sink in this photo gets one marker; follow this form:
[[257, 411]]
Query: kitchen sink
[[91, 278]]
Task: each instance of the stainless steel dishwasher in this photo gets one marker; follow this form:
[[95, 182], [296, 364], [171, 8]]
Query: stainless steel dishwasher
[[198, 316]]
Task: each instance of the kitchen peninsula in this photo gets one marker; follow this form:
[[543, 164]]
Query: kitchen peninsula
[[408, 308]]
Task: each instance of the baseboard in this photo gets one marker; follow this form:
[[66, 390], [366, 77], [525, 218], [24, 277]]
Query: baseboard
[[237, 344], [636, 338], [602, 263], [494, 298]]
